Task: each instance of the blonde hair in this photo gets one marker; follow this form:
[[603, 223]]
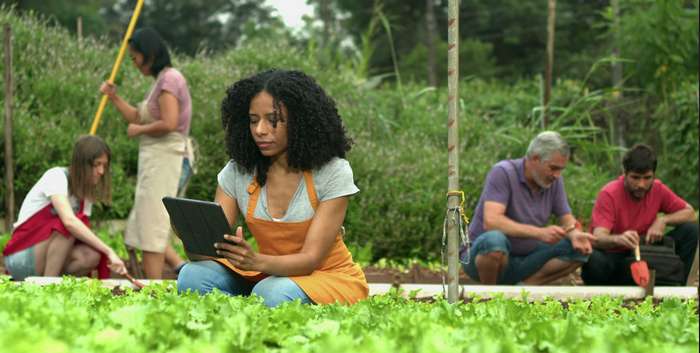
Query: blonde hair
[[85, 151]]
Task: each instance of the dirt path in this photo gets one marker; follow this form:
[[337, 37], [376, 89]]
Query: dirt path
[[415, 274]]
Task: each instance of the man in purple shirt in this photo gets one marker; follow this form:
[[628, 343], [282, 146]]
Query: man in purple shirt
[[511, 239]]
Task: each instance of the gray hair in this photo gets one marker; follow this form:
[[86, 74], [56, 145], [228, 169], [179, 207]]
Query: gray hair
[[546, 143]]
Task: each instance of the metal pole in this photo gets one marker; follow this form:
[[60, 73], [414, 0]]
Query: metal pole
[[9, 165], [453, 200], [117, 63], [552, 10]]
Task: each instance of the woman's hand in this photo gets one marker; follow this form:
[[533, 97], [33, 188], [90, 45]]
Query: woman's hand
[[134, 130], [116, 264], [108, 89], [241, 254]]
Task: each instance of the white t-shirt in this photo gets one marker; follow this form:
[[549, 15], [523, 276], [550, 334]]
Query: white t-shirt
[[334, 179], [53, 182]]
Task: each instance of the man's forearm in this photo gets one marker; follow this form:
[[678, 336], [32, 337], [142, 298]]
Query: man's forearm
[[605, 241], [683, 216], [512, 228]]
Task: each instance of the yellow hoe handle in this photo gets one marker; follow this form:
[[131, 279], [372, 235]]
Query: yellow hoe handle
[[117, 63]]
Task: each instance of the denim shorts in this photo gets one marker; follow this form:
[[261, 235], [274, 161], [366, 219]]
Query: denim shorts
[[21, 264], [519, 267]]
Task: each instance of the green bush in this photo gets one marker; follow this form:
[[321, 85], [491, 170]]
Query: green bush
[[400, 153]]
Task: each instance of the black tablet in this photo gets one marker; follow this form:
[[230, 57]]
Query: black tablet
[[199, 224]]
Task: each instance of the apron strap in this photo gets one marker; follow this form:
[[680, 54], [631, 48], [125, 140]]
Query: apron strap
[[310, 189], [254, 192]]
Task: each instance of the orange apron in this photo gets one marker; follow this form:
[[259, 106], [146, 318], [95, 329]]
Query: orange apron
[[338, 279]]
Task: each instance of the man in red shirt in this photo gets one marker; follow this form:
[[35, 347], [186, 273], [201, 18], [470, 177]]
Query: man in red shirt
[[636, 208]]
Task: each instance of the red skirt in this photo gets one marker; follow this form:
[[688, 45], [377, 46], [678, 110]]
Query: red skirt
[[40, 226]]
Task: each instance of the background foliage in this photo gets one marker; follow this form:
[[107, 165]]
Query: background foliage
[[399, 158]]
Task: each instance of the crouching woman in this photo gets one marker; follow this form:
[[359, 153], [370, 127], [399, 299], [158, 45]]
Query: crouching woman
[[52, 234], [289, 180]]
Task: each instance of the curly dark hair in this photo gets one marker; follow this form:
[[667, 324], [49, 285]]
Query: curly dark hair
[[315, 131]]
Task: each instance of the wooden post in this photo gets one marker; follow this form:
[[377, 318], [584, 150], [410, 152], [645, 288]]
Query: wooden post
[[79, 30], [9, 164], [550, 60], [453, 201]]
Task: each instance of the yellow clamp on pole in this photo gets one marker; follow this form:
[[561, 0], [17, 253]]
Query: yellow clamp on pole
[[460, 193], [117, 63]]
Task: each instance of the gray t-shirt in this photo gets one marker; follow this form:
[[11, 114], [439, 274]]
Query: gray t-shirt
[[332, 180], [506, 185]]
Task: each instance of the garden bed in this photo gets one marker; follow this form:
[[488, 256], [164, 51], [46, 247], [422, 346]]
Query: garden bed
[[157, 319]]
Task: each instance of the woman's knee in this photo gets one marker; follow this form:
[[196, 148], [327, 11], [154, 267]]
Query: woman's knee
[[89, 257], [278, 290], [82, 260], [196, 277]]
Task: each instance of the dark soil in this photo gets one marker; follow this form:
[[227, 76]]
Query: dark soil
[[416, 274]]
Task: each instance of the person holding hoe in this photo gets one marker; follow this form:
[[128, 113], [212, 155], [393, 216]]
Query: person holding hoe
[[162, 124], [52, 235], [288, 179]]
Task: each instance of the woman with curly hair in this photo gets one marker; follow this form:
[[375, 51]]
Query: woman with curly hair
[[289, 179]]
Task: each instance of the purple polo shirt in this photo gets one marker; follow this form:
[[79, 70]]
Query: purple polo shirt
[[506, 185]]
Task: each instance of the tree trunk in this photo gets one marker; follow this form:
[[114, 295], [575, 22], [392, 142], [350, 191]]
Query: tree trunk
[[79, 30], [551, 19], [9, 163], [619, 137], [324, 11], [430, 41]]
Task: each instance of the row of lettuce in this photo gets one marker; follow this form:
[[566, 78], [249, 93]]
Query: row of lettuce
[[157, 319]]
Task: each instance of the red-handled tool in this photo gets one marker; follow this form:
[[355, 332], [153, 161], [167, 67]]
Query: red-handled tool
[[639, 269]]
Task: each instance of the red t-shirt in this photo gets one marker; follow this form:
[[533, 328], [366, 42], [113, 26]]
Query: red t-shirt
[[617, 211]]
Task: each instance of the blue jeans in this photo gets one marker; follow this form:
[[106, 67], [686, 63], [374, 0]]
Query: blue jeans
[[519, 267], [185, 176], [21, 264], [203, 276]]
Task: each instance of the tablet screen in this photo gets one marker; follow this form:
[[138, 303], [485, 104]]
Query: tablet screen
[[199, 224]]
